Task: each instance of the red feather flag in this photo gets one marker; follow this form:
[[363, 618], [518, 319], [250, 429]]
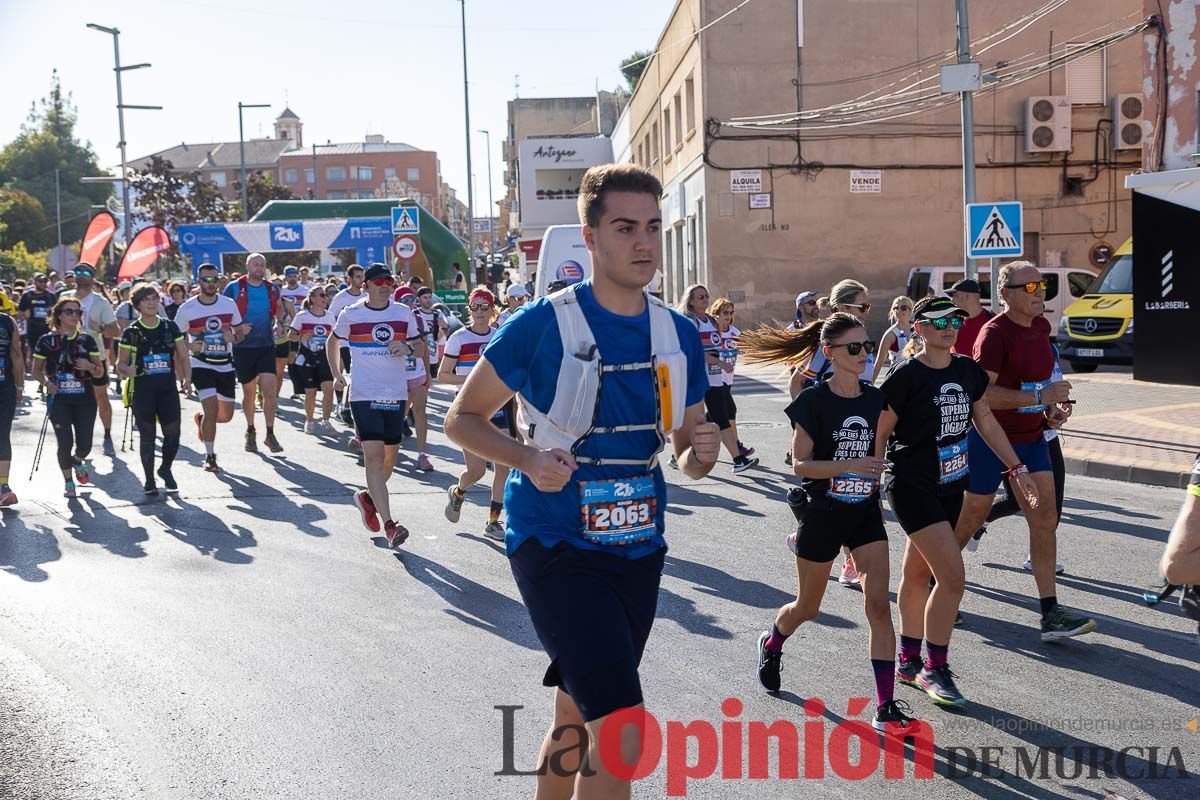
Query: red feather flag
[[99, 231], [143, 251]]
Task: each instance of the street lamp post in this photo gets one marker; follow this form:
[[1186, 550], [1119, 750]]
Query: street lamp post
[[467, 114], [118, 69], [491, 200], [242, 151]]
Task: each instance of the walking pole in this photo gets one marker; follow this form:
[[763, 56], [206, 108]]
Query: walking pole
[[37, 454], [127, 434]]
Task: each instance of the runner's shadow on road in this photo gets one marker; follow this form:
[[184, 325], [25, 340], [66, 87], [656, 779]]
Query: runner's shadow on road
[[683, 611], [473, 603], [205, 531], [498, 547], [24, 548], [301, 516], [1151, 534], [682, 499], [717, 583], [1092, 505], [92, 523], [1113, 591], [1090, 655]]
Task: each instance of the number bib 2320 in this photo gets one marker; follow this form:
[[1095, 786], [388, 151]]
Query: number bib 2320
[[952, 462], [618, 511]]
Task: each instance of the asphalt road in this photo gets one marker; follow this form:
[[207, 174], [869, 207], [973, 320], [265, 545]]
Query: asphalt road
[[249, 639]]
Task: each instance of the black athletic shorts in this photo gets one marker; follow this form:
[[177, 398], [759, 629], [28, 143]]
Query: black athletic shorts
[[718, 401], [345, 351], [283, 349], [313, 372], [433, 368], [250, 362], [917, 509], [101, 381], [824, 528], [379, 422], [209, 382], [592, 612]]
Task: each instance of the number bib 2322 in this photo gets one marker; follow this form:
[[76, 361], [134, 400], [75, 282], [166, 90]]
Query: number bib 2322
[[618, 511], [851, 488], [952, 462], [156, 364]]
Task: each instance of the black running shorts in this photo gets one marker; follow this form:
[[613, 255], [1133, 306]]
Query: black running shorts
[[379, 422], [917, 509], [209, 382], [718, 401], [250, 362], [593, 613], [824, 530]]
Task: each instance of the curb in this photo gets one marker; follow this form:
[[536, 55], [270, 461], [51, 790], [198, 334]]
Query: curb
[[1116, 471]]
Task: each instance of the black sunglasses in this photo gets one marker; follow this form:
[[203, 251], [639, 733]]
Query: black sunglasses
[[854, 348]]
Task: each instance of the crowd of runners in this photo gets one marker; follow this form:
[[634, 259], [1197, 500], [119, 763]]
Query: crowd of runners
[[572, 400]]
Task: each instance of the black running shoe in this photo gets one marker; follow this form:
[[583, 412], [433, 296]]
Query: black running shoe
[[1153, 595], [906, 671], [893, 714], [938, 683], [768, 664], [168, 479], [210, 464], [251, 445], [150, 490], [1059, 624]]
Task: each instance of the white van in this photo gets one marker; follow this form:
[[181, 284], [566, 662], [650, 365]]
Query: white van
[[566, 258], [938, 280]]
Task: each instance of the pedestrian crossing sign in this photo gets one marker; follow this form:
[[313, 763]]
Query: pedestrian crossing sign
[[406, 219], [994, 230]]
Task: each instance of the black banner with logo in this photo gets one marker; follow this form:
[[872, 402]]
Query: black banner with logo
[[1166, 291]]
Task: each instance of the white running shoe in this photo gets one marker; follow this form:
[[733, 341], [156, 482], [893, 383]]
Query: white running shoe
[[1059, 569]]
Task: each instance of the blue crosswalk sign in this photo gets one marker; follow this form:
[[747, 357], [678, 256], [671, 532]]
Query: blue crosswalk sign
[[406, 219], [994, 230]]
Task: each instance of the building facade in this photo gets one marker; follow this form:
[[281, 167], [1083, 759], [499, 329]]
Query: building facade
[[804, 141]]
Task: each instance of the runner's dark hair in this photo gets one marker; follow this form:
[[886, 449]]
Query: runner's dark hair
[[776, 345], [613, 178]]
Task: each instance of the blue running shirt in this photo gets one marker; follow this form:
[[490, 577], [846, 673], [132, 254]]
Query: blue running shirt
[[258, 315], [526, 353]]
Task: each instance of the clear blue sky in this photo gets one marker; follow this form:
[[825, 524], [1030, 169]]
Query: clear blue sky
[[348, 68]]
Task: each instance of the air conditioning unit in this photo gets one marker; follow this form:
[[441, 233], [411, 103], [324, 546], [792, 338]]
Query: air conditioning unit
[[1048, 124], [1128, 133]]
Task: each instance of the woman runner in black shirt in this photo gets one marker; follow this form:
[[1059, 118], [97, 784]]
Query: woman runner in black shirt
[[932, 399], [65, 361], [151, 350], [833, 444]]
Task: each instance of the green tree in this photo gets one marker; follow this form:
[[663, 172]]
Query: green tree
[[633, 67], [161, 196], [23, 220], [46, 143]]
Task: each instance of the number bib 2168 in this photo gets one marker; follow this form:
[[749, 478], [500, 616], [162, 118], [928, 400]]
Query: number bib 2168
[[618, 511], [952, 462]]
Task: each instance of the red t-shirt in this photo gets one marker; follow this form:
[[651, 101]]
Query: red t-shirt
[[1022, 359], [964, 345]]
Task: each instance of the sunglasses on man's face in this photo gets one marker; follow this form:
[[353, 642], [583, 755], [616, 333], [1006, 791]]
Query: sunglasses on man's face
[[480, 306], [941, 323], [854, 348], [387, 281], [212, 279], [1030, 287]]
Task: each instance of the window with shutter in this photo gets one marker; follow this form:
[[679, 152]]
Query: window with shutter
[[1086, 78]]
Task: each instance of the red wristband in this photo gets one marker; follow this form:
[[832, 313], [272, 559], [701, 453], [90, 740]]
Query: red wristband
[[1016, 469]]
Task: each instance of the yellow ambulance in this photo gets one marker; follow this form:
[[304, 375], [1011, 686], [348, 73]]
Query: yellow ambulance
[[1098, 327]]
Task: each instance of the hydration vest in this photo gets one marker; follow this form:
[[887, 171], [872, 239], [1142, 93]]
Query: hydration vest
[[243, 297], [573, 413]]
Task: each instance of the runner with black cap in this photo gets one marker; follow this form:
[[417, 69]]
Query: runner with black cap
[[381, 334], [933, 397], [100, 322], [34, 307], [213, 325], [604, 373], [967, 295]]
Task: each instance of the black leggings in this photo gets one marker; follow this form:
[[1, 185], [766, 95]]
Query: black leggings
[[153, 400], [8, 410], [73, 421], [1008, 506]]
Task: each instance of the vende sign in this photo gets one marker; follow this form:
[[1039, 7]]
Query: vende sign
[[866, 181], [745, 181]]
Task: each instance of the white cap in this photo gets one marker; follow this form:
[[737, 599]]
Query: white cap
[[515, 290], [124, 285]]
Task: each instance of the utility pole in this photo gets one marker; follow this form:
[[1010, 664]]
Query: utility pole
[[966, 101], [242, 151], [118, 69], [467, 114], [491, 200], [57, 208]]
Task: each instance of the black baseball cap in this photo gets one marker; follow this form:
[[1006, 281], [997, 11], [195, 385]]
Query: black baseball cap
[[935, 308], [966, 285], [41, 276], [424, 290], [377, 270]]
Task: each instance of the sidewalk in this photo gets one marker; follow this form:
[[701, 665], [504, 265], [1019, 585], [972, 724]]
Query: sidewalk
[[1131, 430], [1122, 429]]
